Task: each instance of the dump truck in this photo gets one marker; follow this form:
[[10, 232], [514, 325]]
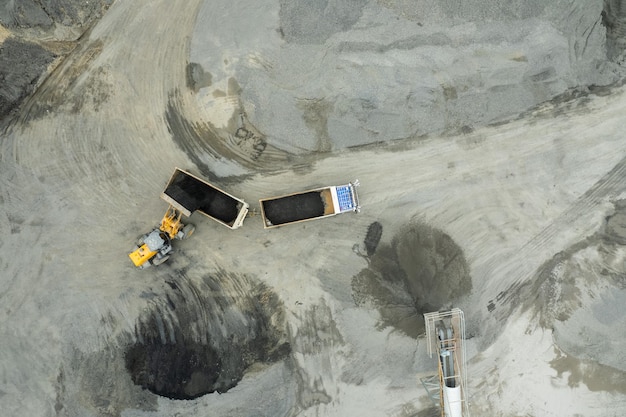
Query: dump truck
[[309, 205], [186, 194]]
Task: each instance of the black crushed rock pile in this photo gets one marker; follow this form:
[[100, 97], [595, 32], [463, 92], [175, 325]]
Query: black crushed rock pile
[[21, 65], [22, 59]]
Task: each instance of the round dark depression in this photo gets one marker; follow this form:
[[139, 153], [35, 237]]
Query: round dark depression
[[202, 335], [420, 270]]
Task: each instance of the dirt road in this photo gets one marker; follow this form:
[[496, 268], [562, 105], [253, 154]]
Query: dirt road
[[301, 319]]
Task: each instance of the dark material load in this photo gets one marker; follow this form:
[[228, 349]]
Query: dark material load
[[189, 193], [294, 208], [309, 205], [195, 195]]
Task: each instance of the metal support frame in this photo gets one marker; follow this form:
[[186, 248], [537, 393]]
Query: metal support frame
[[456, 347]]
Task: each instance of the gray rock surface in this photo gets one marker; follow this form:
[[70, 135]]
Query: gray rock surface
[[303, 21], [335, 74]]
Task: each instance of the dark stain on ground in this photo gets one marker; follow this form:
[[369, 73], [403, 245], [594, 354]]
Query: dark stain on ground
[[197, 78], [372, 238], [421, 270], [60, 392], [614, 20], [204, 334]]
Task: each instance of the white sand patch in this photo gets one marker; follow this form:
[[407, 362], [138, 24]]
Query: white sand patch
[[515, 377]]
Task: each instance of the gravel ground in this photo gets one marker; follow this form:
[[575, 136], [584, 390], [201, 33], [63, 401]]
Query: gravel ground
[[488, 140]]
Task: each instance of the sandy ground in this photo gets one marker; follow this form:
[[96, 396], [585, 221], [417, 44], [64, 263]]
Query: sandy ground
[[519, 223]]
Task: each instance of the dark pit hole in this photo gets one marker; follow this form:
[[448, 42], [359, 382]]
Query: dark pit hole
[[202, 336], [183, 370], [421, 270]]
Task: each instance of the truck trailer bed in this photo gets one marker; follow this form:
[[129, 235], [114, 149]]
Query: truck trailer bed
[[308, 205], [188, 193]]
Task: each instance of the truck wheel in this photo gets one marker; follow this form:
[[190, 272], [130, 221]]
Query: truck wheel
[[158, 261], [188, 231]]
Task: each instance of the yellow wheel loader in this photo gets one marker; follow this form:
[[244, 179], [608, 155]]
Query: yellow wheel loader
[[185, 193], [155, 247]]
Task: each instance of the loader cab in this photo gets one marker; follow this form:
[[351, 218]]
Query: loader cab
[[156, 240], [152, 249]]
